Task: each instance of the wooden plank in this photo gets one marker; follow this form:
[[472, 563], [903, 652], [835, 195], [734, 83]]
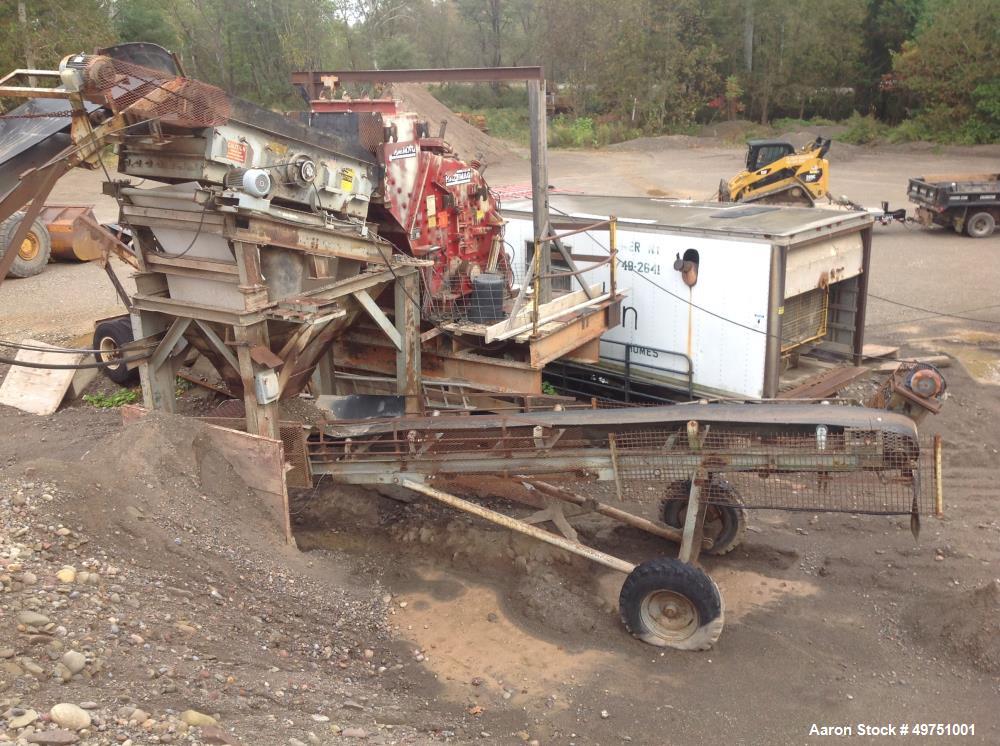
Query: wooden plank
[[515, 325], [524, 316], [873, 350], [38, 390], [825, 384], [938, 361], [259, 461]]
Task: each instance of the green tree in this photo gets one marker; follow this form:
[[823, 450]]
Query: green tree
[[804, 54], [953, 69], [145, 20], [888, 23], [51, 30]]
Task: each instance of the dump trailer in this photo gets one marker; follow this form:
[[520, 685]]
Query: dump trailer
[[969, 203]]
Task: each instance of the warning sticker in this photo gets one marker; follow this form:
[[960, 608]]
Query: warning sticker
[[347, 180], [456, 178], [407, 151], [236, 151]]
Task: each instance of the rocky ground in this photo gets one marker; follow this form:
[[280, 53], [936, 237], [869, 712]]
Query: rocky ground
[[151, 607]]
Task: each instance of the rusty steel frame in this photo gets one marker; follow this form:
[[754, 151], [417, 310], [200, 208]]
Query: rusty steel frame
[[508, 461], [529, 445], [314, 82]]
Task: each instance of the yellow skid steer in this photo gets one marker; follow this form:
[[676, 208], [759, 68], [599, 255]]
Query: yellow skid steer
[[778, 174]]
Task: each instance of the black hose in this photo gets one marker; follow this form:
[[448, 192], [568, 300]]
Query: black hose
[[78, 366]]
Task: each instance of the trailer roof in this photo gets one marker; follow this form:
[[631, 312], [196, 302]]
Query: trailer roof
[[762, 222]]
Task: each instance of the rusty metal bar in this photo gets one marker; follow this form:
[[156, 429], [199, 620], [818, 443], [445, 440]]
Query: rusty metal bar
[[536, 285], [611, 512], [48, 180], [613, 452], [576, 272], [540, 216], [425, 75], [687, 553], [613, 247], [938, 478], [584, 229], [521, 527]]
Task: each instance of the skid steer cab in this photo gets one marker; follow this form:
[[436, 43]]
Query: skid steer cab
[[776, 173]]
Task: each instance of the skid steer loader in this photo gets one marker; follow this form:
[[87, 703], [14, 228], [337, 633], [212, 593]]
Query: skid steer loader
[[778, 174]]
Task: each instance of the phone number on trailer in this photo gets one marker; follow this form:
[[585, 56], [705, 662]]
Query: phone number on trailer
[[643, 268]]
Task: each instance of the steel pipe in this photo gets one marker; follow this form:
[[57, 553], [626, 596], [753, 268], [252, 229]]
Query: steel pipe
[[521, 527]]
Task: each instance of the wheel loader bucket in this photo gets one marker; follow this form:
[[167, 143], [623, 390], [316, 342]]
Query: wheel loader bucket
[[63, 225]]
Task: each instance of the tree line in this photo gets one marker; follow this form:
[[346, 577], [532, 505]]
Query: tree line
[[657, 65]]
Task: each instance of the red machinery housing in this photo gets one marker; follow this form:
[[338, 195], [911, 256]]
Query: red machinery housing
[[432, 204]]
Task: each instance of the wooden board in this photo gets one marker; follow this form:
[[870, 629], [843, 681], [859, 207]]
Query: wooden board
[[259, 461], [938, 361], [870, 350], [38, 390], [825, 384]]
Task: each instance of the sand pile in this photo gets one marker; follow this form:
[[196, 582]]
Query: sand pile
[[469, 142], [967, 624]]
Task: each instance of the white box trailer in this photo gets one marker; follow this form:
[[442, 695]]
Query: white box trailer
[[760, 284]]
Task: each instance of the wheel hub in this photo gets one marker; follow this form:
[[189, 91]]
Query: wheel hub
[[670, 614], [110, 351], [29, 247]]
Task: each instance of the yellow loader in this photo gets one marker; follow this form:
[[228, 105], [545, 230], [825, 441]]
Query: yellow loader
[[778, 174]]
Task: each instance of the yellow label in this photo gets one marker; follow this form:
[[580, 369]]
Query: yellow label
[[479, 215], [781, 310], [347, 180]]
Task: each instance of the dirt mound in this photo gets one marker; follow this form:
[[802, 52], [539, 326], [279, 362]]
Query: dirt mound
[[148, 573], [737, 130], [663, 142], [967, 624], [163, 495], [469, 142]]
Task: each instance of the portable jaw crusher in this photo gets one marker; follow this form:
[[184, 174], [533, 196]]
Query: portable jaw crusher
[[267, 238]]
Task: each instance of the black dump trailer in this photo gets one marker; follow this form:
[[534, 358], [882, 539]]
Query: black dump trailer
[[969, 203]]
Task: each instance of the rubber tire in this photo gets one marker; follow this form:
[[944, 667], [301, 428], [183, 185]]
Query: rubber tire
[[670, 574], [23, 268], [734, 517], [120, 331], [986, 225]]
